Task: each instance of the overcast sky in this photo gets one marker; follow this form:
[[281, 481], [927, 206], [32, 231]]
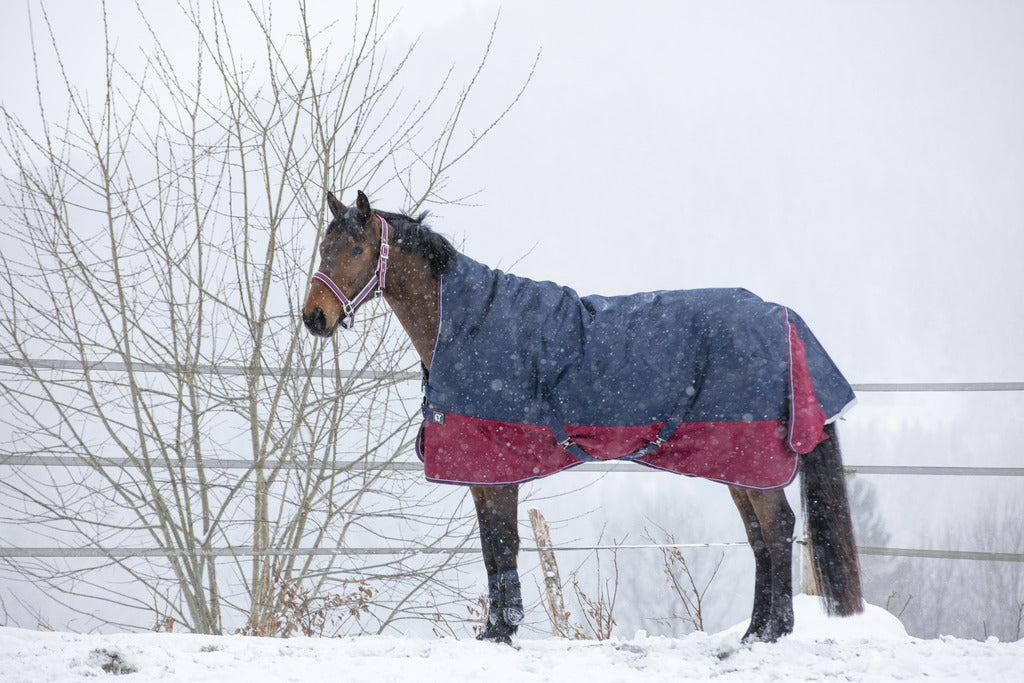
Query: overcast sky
[[860, 162]]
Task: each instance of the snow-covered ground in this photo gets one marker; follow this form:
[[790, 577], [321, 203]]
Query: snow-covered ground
[[870, 647]]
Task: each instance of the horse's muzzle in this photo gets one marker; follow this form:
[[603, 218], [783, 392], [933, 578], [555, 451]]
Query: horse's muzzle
[[316, 323]]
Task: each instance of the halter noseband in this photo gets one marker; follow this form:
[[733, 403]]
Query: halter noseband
[[374, 286]]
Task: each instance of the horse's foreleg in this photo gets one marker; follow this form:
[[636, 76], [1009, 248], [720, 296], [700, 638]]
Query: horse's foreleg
[[497, 514]]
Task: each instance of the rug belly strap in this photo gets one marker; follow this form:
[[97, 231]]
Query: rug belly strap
[[575, 450]]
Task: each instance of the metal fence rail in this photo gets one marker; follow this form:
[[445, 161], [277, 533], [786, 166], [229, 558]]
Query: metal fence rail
[[410, 375], [199, 369], [926, 387], [412, 466]]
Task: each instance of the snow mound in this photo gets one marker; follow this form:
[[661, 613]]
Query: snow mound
[[812, 623], [869, 647]]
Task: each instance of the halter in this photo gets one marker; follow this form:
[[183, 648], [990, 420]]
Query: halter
[[375, 285]]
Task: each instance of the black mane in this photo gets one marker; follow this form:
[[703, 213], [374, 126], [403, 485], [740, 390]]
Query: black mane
[[413, 235]]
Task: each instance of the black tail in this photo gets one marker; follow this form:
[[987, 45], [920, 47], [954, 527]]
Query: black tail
[[827, 514]]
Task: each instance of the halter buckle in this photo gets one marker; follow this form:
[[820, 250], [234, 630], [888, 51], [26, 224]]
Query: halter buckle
[[348, 317]]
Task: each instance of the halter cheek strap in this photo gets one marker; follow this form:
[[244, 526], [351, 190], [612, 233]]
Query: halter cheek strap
[[375, 286]]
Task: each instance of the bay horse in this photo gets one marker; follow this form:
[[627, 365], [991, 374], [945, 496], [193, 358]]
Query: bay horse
[[520, 434]]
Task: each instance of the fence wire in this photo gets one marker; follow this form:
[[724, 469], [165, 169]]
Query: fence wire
[[121, 553]]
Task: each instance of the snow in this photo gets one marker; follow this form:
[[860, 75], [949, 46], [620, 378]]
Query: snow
[[869, 647]]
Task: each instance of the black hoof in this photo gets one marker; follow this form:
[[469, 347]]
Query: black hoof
[[762, 636], [497, 633], [766, 633]]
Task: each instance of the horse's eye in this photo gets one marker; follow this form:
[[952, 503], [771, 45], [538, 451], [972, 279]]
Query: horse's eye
[[356, 251]]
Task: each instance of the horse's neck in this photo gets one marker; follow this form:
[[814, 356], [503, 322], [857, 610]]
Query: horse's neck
[[412, 294]]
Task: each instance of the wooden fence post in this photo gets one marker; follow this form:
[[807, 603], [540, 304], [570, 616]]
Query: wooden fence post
[[808, 581], [552, 582]]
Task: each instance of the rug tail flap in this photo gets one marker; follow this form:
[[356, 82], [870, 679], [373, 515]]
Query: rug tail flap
[[833, 392], [806, 417]]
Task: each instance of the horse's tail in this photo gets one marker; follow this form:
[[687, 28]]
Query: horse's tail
[[827, 513]]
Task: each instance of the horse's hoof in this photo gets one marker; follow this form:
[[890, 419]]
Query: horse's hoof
[[768, 633], [502, 638], [497, 632], [755, 632]]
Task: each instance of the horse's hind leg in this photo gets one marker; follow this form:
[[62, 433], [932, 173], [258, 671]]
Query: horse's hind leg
[[769, 520], [497, 513], [777, 523], [762, 564]]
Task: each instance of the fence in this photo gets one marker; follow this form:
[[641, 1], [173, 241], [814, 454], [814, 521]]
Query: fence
[[234, 464]]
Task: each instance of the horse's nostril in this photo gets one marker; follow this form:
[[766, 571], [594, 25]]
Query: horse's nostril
[[316, 321]]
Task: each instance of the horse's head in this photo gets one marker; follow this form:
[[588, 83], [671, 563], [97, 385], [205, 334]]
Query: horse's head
[[352, 266]]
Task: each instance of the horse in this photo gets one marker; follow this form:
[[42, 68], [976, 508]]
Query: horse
[[366, 253]]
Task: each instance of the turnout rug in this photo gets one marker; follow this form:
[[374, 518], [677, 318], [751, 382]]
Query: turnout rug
[[528, 378]]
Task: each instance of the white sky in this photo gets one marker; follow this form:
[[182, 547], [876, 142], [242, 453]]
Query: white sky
[[860, 162]]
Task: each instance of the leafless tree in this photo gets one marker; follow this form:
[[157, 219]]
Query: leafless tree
[[158, 235]]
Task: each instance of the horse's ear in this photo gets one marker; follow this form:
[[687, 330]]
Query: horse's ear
[[363, 206], [336, 207]]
